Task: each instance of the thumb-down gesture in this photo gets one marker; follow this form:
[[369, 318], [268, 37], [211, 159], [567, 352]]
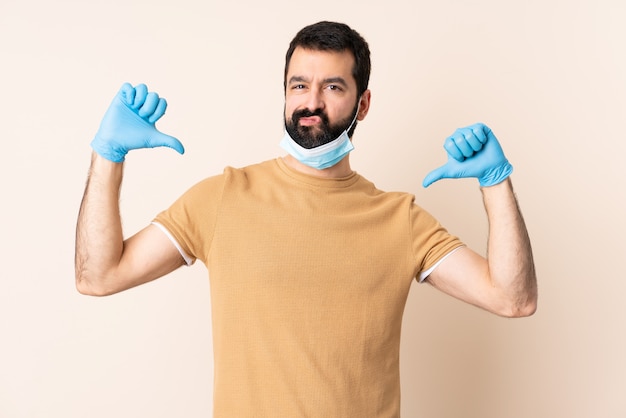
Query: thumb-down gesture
[[129, 123], [473, 151]]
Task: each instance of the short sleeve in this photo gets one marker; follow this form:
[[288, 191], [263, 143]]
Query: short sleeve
[[431, 241], [191, 219]]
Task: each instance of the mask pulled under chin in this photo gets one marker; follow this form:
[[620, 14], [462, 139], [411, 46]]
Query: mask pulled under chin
[[321, 157], [324, 156]]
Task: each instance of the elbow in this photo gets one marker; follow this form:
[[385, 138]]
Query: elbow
[[86, 290], [519, 302], [520, 308], [92, 280], [524, 311], [86, 286]]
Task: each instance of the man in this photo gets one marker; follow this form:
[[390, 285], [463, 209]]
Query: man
[[310, 265]]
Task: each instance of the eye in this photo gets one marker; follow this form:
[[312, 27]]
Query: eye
[[334, 87], [298, 87]]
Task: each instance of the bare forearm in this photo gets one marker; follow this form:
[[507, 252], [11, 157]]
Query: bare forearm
[[99, 237], [510, 258]]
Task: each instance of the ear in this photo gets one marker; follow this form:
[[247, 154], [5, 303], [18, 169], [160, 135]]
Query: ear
[[364, 104]]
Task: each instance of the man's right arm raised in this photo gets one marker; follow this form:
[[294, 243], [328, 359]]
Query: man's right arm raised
[[105, 263]]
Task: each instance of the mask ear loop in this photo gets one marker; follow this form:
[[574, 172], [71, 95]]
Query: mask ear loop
[[356, 114]]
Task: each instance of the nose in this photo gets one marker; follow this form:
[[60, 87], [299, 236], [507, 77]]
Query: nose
[[314, 100]]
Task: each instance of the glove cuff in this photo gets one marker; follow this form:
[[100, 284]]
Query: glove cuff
[[496, 175], [106, 151]]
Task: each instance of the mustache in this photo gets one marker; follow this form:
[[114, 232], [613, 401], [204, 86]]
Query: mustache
[[305, 113]]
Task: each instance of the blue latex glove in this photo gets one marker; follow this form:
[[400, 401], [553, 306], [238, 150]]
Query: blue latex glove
[[473, 151], [129, 124]]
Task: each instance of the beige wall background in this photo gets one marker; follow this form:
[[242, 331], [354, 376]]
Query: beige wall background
[[549, 77]]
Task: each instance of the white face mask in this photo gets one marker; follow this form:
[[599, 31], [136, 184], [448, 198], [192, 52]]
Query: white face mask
[[323, 156]]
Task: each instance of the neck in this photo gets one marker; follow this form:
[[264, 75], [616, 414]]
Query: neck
[[339, 170]]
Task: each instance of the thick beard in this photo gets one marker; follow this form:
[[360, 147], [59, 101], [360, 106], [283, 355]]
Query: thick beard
[[314, 136]]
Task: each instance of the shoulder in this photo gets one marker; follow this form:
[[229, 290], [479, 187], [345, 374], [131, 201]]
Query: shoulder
[[231, 175], [403, 198], [262, 169]]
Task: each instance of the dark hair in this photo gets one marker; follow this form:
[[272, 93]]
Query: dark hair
[[339, 37]]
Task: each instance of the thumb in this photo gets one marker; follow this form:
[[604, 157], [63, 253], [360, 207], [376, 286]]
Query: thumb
[[435, 175], [160, 139]]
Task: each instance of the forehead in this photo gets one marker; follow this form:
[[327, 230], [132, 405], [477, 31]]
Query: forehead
[[309, 63]]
